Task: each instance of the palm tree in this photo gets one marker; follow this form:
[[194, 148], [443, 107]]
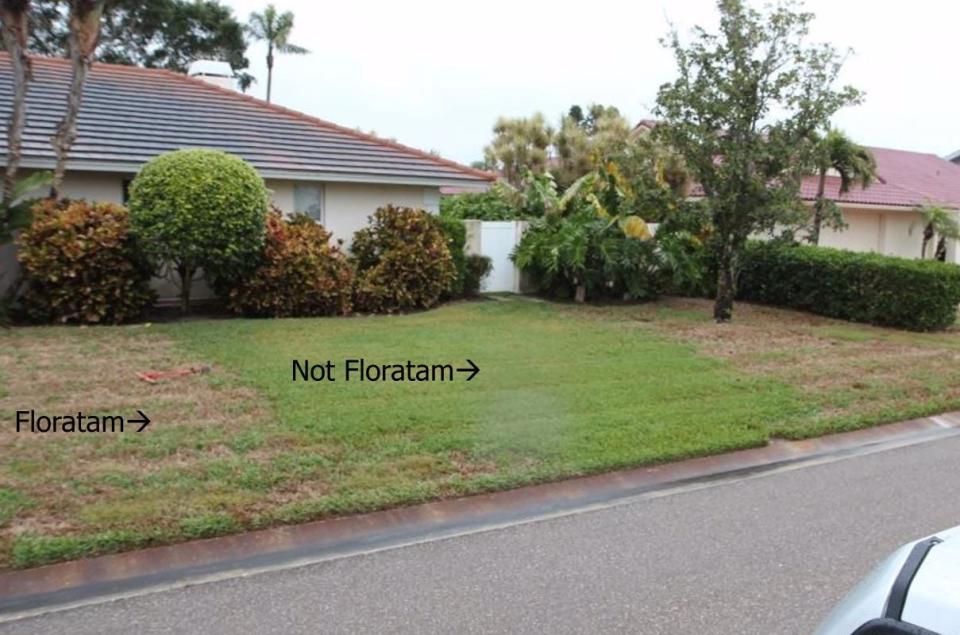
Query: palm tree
[[274, 29], [82, 38], [15, 27], [851, 161], [937, 222]]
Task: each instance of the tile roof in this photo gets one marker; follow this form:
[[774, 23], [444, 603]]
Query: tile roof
[[906, 179], [131, 114]]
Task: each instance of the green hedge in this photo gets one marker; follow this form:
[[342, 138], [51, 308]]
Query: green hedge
[[919, 295], [456, 232]]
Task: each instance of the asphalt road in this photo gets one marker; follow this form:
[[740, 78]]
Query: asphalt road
[[767, 554]]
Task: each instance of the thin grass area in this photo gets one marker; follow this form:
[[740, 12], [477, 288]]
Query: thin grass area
[[87, 493], [853, 375]]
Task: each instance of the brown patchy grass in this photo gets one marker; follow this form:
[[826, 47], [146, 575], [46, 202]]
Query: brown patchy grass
[[853, 374], [66, 484]]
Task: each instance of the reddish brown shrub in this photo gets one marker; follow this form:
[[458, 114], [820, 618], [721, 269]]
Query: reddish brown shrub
[[299, 274], [82, 264]]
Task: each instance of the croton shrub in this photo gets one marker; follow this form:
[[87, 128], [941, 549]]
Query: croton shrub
[[299, 273], [403, 261], [81, 264]]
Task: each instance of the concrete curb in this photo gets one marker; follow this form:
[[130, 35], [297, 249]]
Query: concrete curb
[[70, 584]]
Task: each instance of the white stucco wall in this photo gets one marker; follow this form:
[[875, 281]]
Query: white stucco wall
[[903, 235], [346, 206], [890, 232], [862, 233], [95, 186]]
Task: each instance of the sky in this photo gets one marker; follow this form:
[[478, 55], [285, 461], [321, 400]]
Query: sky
[[436, 74]]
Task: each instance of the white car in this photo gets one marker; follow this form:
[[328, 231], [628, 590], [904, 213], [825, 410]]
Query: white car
[[916, 591]]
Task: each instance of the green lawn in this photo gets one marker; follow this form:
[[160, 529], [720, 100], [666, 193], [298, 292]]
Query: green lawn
[[562, 391]]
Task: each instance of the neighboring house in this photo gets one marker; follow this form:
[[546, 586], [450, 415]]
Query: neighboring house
[[643, 127], [883, 218], [129, 115]]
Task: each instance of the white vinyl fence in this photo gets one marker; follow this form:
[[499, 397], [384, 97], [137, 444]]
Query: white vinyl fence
[[496, 240]]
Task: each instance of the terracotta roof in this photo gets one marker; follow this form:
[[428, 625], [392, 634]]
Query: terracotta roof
[[645, 124], [905, 179], [131, 114]]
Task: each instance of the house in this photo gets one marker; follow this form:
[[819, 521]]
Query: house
[[129, 115], [882, 218]]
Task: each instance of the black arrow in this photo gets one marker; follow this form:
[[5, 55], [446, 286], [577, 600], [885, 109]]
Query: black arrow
[[473, 370], [144, 419]]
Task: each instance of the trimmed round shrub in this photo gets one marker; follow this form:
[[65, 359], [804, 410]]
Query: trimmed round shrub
[[199, 209], [403, 261], [81, 264], [300, 273]]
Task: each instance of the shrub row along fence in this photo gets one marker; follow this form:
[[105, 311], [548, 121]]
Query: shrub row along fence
[[919, 295]]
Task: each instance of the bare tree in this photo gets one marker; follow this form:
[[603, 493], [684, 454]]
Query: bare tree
[[84, 24]]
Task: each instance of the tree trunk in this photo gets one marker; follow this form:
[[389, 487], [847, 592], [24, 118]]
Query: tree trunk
[[726, 287], [814, 237], [269, 70], [580, 294], [186, 273], [82, 43], [927, 237], [13, 16], [941, 252]]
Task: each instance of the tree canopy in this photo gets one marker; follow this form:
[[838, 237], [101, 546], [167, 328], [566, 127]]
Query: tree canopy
[[582, 140], [746, 102], [157, 34], [575, 147], [518, 144]]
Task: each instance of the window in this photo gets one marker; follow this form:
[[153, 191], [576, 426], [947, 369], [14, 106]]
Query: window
[[308, 199]]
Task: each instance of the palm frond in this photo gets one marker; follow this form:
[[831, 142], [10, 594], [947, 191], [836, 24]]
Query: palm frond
[[292, 49], [30, 183]]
